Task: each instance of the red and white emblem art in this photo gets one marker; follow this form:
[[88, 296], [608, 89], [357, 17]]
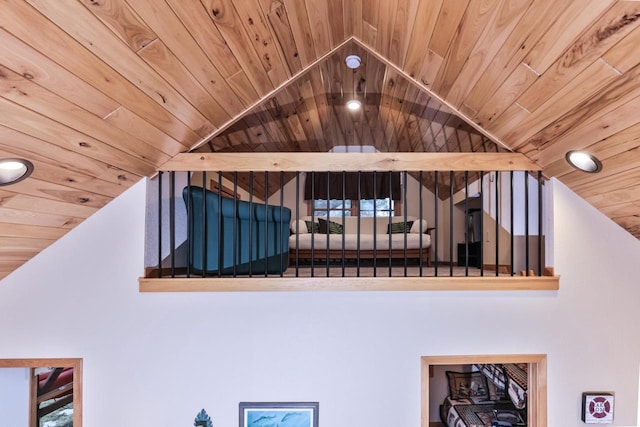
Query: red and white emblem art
[[598, 408]]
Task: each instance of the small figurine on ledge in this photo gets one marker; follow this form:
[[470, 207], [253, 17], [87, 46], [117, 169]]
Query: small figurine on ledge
[[202, 419]]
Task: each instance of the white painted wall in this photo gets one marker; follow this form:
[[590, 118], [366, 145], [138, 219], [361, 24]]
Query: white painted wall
[[157, 359], [14, 397]]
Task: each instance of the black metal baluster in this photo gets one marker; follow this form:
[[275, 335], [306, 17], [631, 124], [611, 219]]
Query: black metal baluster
[[451, 224], [389, 225], [251, 216], [313, 216], [160, 224], [358, 228], [203, 224], [282, 229], [344, 195], [481, 253], [404, 189], [511, 213], [298, 222], [421, 214], [435, 204], [189, 223], [375, 223], [526, 220], [234, 240], [172, 221], [220, 227], [466, 223], [497, 223], [266, 222], [540, 233], [328, 230]]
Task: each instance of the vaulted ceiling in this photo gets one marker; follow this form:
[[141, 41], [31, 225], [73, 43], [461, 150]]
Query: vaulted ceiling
[[98, 93]]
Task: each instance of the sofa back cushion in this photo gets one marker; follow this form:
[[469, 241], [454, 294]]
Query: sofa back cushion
[[350, 224]]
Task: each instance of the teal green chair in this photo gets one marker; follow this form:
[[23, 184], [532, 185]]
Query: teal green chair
[[250, 238]]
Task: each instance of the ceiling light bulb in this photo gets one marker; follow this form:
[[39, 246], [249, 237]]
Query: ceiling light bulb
[[353, 61], [584, 161], [354, 105], [14, 170]]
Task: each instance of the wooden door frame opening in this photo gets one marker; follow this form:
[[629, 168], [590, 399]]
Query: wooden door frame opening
[[536, 379]]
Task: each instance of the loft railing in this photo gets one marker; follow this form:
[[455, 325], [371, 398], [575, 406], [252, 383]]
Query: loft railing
[[240, 229]]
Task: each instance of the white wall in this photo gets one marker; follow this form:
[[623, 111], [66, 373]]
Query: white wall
[[14, 397], [157, 359]]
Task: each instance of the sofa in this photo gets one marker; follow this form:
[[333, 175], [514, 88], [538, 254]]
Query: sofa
[[338, 238], [241, 237]]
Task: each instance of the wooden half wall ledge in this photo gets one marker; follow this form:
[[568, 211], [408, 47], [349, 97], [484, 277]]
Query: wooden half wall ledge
[[348, 284], [338, 162]]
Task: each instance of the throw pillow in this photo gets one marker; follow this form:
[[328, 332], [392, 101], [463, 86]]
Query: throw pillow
[[419, 226], [299, 227], [312, 226], [399, 227], [329, 227]]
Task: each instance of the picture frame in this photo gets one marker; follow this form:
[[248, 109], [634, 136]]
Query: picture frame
[[282, 414]]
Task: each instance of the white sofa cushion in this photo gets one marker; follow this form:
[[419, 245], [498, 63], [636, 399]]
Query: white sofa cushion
[[419, 226]]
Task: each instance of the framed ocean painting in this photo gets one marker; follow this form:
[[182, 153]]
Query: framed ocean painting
[[278, 414]]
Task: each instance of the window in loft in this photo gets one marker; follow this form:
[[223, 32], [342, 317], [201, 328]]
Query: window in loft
[[333, 208], [377, 207]]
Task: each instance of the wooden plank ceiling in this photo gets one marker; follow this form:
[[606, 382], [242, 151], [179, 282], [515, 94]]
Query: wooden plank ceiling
[[99, 93]]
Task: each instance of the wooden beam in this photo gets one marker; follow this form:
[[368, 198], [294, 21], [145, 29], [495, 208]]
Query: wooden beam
[[268, 284], [292, 162]]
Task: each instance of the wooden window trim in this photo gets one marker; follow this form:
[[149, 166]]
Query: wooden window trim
[[536, 388]]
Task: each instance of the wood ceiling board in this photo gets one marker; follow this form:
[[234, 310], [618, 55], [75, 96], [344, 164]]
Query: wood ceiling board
[[19, 19], [170, 29], [474, 25], [496, 32], [585, 134], [162, 60], [562, 29], [622, 56], [13, 216], [279, 20], [31, 232], [75, 20], [617, 143], [123, 21], [25, 93], [41, 127], [526, 34], [592, 80], [421, 33], [301, 30], [128, 121], [612, 27], [31, 64]]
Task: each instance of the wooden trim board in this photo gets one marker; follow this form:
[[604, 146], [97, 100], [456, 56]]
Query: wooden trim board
[[74, 363], [297, 284], [338, 162]]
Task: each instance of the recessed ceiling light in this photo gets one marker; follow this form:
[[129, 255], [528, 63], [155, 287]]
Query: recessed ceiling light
[[584, 161], [14, 170], [354, 105], [353, 61]]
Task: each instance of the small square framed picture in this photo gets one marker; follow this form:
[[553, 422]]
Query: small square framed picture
[[597, 407], [281, 414]]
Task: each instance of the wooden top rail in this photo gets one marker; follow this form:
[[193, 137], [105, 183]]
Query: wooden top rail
[[338, 162]]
